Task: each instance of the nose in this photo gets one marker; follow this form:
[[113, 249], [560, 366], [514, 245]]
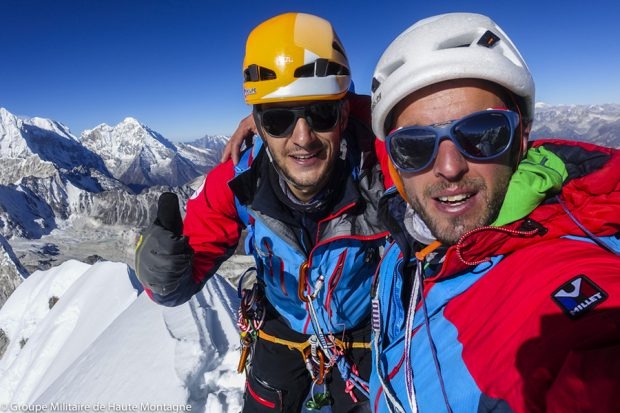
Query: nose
[[302, 133], [450, 162]]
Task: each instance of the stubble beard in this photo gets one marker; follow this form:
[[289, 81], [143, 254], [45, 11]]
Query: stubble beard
[[449, 231], [309, 185]]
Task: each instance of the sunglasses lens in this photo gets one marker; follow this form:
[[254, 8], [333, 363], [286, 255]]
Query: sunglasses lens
[[483, 136], [323, 116], [412, 148], [277, 122]]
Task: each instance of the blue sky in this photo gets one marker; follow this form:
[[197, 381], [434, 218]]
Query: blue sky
[[175, 65]]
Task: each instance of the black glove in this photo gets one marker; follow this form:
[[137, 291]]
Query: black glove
[[163, 254]]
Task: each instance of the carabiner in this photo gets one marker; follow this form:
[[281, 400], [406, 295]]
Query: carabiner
[[303, 277]]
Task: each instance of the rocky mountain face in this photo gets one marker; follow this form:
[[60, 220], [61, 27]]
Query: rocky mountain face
[[11, 271], [110, 176], [47, 175]]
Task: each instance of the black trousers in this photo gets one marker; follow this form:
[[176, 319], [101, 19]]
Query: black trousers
[[278, 380]]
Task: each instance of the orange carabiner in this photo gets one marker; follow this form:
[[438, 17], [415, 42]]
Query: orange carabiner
[[316, 367], [303, 277], [321, 373], [246, 342]]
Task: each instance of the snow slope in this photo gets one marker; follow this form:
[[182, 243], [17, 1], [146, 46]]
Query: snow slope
[[103, 346]]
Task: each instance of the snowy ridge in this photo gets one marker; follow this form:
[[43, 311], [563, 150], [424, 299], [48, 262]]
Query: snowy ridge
[[56, 335], [103, 343], [11, 128]]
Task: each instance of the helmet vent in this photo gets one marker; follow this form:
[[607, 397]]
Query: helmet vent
[[256, 73], [455, 43], [488, 39], [321, 68], [375, 84], [337, 47]]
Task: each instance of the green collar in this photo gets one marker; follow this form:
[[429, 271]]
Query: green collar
[[539, 175]]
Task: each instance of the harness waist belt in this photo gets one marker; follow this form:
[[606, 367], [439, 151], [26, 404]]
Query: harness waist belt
[[301, 347]]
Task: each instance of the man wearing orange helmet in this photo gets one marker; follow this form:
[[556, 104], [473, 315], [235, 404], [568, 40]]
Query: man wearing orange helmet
[[307, 192]]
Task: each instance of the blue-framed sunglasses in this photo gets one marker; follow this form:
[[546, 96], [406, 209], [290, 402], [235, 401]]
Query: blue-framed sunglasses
[[480, 136]]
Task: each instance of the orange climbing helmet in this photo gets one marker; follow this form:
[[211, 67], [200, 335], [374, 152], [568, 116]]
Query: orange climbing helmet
[[294, 56]]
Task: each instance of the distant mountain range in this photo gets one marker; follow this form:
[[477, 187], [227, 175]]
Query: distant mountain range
[[112, 175], [599, 124]]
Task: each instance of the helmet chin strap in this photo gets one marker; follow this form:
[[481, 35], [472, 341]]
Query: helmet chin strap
[[276, 167], [281, 174]]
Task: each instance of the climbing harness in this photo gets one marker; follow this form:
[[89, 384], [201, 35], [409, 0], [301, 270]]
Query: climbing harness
[[320, 352], [324, 349], [250, 317]]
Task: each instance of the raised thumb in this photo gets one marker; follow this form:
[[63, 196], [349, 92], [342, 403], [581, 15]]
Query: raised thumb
[[169, 214]]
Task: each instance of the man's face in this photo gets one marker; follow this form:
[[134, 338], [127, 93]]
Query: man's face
[[454, 195], [304, 156]]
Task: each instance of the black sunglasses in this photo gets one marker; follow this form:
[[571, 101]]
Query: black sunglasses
[[480, 136], [279, 122]]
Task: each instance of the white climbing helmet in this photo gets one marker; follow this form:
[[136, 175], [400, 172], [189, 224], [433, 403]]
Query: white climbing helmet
[[447, 47]]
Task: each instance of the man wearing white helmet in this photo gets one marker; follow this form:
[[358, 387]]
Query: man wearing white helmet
[[500, 290], [307, 192]]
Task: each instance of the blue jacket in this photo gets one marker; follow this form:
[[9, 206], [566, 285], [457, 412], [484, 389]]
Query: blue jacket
[[334, 263]]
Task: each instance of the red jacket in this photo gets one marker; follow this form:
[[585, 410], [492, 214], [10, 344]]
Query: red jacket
[[523, 318]]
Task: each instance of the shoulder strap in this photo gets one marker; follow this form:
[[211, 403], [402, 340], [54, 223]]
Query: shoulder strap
[[244, 164], [610, 243], [247, 157]]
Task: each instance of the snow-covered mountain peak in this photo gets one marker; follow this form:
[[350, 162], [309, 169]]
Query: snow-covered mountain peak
[[11, 121], [141, 157], [10, 143], [17, 134], [124, 139], [39, 147], [53, 126], [6, 116], [131, 119]]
